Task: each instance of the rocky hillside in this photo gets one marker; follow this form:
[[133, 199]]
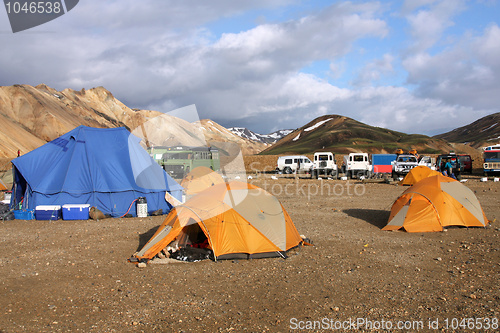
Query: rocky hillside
[[31, 116], [268, 139], [482, 132], [217, 133], [341, 134]]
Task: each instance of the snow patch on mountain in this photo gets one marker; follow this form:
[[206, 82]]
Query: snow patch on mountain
[[318, 124], [264, 138]]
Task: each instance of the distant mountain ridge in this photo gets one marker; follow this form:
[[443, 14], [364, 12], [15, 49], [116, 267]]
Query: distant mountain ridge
[[483, 132], [268, 139], [342, 134], [31, 116]]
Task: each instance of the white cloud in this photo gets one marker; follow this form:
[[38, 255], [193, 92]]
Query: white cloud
[[466, 74], [410, 5], [336, 69], [163, 55], [374, 70], [488, 46], [428, 23], [263, 39], [157, 16]]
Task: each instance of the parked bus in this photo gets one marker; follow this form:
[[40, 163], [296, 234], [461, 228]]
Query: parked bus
[[157, 153], [491, 159], [180, 160]]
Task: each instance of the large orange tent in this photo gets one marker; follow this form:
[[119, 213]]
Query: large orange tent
[[199, 179], [418, 173], [236, 219], [433, 203]]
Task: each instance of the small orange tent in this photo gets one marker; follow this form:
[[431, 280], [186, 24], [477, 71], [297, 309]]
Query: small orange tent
[[418, 173], [239, 220], [199, 179], [2, 186], [433, 203]]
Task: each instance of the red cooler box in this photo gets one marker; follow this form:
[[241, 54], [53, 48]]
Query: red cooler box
[[75, 211]]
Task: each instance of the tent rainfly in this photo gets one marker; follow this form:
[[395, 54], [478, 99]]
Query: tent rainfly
[[2, 186], [418, 173], [434, 203], [106, 168], [235, 220], [199, 179]]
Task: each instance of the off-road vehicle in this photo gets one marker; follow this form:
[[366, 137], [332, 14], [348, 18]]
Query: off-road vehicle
[[403, 164], [324, 164]]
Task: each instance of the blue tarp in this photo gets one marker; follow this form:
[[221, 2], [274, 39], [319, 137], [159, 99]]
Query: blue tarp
[[106, 168]]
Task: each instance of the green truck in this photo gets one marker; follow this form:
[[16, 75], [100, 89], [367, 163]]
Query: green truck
[[179, 160]]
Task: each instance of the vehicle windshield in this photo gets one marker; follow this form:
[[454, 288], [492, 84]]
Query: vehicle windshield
[[358, 158], [491, 155], [177, 156], [425, 159], [407, 159], [323, 157]]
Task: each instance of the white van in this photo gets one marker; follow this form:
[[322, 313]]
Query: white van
[[291, 164]]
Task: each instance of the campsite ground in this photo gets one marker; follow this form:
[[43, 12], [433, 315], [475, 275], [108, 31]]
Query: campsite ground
[[73, 275]]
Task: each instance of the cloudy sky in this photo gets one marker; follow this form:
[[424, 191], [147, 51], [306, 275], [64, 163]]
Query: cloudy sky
[[417, 66]]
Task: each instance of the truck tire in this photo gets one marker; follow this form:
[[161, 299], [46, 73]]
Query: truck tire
[[287, 170]]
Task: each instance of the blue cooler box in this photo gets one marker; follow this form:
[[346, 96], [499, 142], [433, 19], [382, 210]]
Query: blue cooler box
[[48, 212], [75, 211]]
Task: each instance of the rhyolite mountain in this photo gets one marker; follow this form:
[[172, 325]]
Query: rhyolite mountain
[[32, 116], [482, 132], [342, 134]]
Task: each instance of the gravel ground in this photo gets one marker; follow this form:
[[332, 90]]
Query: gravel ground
[[74, 276]]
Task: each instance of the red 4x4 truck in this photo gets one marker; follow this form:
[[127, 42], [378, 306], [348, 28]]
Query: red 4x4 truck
[[466, 162]]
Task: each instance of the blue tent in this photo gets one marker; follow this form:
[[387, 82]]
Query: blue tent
[[106, 168]]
